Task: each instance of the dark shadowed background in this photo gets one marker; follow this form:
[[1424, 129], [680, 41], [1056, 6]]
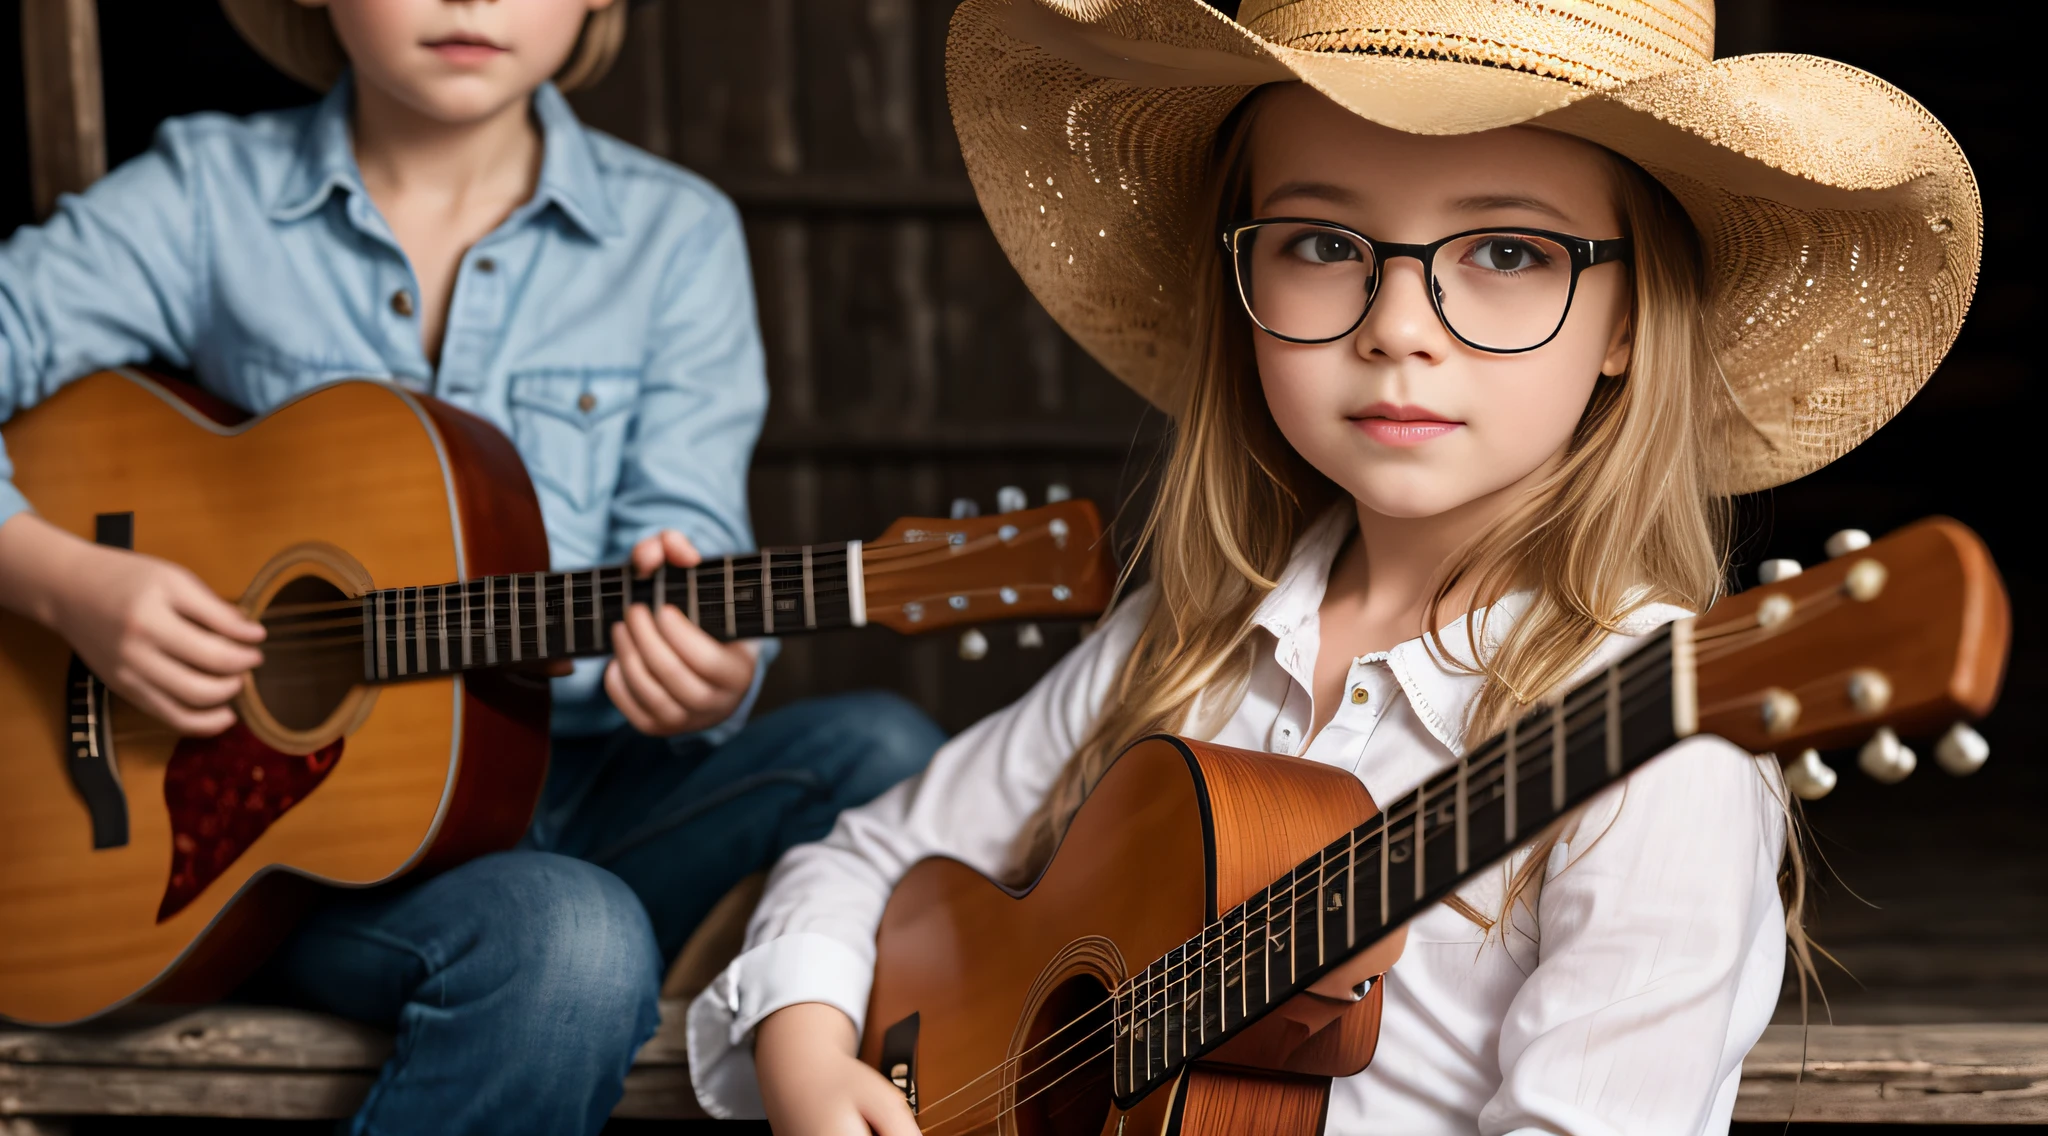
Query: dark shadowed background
[[909, 367]]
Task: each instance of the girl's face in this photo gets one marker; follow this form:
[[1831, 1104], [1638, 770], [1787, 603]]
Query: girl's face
[[457, 61], [1408, 419]]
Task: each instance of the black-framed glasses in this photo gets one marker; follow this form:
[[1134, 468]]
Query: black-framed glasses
[[1501, 290]]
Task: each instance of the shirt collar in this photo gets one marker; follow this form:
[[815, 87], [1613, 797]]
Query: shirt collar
[[569, 176], [1440, 684]]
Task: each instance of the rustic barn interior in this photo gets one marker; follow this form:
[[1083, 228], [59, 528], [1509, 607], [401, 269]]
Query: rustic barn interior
[[910, 368]]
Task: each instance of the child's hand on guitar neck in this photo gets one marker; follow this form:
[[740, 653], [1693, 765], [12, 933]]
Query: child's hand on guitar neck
[[148, 628], [813, 1085], [667, 675]]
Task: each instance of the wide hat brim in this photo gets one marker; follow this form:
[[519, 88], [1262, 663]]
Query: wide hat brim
[[1841, 222]]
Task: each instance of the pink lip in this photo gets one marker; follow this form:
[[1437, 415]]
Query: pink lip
[[465, 50], [1393, 425]]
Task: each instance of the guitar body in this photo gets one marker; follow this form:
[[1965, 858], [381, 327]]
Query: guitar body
[[1175, 832], [356, 484]]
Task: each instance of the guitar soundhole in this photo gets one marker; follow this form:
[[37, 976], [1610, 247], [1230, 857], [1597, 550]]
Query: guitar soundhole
[[314, 656], [1065, 1082]]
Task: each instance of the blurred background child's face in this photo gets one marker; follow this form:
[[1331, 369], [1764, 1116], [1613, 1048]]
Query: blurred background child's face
[[1409, 420], [458, 61]]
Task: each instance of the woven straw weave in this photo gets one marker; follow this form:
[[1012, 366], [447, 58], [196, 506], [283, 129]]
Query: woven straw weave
[[1841, 221]]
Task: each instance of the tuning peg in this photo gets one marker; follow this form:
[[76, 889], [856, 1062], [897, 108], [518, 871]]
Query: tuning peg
[[965, 507], [1961, 751], [1809, 777], [973, 645], [1772, 571], [1885, 758], [1029, 636], [1010, 499], [1847, 541], [1057, 491]]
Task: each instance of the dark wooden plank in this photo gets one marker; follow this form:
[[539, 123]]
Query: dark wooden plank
[[60, 56], [1935, 1074]]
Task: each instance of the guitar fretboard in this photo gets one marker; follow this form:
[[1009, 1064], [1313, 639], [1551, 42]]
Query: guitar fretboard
[[536, 616], [1416, 852]]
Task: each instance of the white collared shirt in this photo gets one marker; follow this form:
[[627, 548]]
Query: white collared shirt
[[1625, 1004]]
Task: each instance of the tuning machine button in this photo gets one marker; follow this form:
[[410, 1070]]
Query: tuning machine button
[[1869, 691], [1865, 581], [1885, 758], [965, 508], [1772, 571], [1010, 499], [1057, 492], [1961, 751], [1780, 711], [973, 645], [1029, 637], [1809, 777], [1847, 541]]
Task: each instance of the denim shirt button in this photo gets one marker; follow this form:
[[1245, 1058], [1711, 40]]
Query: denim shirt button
[[401, 302], [486, 264]]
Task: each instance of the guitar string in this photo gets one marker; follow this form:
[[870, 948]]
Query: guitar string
[[1403, 812], [876, 554]]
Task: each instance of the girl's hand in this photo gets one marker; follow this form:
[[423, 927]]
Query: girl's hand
[[813, 1085], [667, 675], [148, 628]]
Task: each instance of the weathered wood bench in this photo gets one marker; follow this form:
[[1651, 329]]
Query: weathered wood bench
[[246, 1061]]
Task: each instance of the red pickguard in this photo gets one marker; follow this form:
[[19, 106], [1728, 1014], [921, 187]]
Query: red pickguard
[[223, 792]]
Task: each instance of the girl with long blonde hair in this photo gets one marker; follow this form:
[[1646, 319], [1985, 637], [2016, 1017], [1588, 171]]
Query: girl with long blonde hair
[[1470, 317]]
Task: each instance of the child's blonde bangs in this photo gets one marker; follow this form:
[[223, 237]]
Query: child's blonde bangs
[[300, 42]]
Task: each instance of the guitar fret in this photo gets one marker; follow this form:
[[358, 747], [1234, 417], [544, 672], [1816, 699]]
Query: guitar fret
[[732, 619], [1613, 723], [377, 638], [1415, 833], [490, 622], [1557, 786], [810, 593], [1460, 805], [1513, 785], [767, 594], [512, 615]]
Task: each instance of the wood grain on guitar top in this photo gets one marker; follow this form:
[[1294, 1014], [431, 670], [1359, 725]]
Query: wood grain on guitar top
[[351, 465], [983, 967]]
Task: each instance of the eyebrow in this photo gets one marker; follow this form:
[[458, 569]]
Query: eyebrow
[[1313, 190], [1488, 201]]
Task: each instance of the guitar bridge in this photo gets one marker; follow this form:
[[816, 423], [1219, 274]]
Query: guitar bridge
[[899, 1059]]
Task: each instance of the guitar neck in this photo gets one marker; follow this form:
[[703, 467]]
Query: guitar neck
[[1416, 852], [538, 616]]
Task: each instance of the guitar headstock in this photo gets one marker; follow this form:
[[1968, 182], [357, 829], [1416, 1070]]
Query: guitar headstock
[[1907, 635], [925, 574]]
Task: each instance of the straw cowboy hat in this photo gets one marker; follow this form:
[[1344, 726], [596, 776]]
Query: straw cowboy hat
[[299, 41], [1841, 222]]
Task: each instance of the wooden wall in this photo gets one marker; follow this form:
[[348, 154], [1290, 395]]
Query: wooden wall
[[907, 364]]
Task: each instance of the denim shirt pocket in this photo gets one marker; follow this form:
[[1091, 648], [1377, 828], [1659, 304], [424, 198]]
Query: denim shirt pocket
[[570, 425]]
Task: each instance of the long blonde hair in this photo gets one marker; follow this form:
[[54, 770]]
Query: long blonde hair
[[1625, 520]]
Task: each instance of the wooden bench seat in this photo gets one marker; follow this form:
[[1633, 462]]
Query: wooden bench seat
[[251, 1061]]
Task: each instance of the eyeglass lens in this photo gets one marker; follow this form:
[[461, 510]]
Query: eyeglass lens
[[1505, 291]]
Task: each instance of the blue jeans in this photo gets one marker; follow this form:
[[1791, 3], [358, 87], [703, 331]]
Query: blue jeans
[[520, 985]]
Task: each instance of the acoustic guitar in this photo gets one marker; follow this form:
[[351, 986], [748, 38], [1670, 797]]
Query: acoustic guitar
[[1155, 978], [392, 545]]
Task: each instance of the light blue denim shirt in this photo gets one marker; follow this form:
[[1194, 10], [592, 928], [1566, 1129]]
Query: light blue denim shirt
[[607, 326]]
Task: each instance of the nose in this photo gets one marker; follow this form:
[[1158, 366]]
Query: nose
[[1402, 322]]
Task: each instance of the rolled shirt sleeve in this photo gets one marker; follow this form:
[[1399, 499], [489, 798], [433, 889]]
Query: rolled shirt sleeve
[[812, 939], [112, 278], [1661, 954]]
